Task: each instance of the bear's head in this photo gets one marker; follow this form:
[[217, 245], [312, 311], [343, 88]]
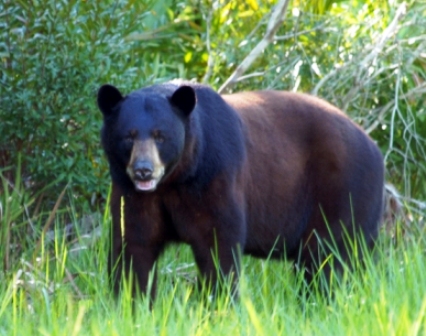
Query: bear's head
[[144, 133]]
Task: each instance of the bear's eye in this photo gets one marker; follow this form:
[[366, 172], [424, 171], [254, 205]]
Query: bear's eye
[[130, 136], [128, 139], [158, 137]]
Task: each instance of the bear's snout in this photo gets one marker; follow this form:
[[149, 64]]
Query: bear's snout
[[142, 170], [145, 167]]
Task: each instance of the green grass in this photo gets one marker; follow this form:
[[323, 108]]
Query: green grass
[[61, 289]]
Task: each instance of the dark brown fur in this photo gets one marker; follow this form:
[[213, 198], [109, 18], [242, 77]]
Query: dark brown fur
[[306, 161]]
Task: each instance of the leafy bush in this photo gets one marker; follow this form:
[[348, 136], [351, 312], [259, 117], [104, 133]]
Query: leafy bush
[[55, 54]]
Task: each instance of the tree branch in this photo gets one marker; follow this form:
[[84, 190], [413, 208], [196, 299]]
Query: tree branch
[[387, 33], [275, 21]]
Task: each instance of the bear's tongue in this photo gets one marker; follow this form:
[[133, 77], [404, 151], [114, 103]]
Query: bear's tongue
[[145, 185]]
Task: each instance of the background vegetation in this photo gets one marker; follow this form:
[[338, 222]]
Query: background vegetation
[[367, 57]]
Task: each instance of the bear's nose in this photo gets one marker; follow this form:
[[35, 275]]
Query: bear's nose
[[142, 170]]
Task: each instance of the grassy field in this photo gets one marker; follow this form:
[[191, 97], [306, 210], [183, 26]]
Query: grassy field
[[58, 286]]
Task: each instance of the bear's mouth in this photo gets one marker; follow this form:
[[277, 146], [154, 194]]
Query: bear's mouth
[[146, 185]]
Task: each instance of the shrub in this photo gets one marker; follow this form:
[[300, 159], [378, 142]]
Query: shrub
[[55, 54]]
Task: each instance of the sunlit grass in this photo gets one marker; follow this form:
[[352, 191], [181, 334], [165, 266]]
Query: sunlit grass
[[62, 289]]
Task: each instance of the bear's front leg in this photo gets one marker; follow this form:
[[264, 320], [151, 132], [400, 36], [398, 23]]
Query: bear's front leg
[[136, 242], [130, 260], [217, 251], [218, 267]]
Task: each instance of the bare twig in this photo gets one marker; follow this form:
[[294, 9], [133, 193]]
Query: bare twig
[[70, 278], [210, 61], [254, 31], [275, 21], [326, 78], [253, 74], [387, 33], [50, 220], [303, 32], [421, 89]]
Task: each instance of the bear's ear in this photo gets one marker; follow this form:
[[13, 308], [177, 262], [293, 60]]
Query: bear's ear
[[108, 98], [184, 98]]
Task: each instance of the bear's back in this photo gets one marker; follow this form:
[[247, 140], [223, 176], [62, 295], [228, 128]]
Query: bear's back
[[303, 154]]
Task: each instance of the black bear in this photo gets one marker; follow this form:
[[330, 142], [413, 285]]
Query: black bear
[[266, 173]]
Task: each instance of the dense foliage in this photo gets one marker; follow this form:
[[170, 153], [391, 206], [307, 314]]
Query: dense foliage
[[55, 54]]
